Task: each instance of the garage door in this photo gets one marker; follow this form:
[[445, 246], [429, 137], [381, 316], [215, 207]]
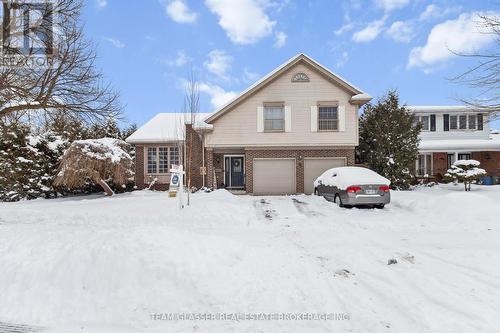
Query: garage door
[[274, 176], [314, 167]]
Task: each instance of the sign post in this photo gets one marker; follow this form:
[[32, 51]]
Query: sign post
[[176, 187]]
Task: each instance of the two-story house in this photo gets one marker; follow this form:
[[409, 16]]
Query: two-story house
[[451, 133], [276, 137]]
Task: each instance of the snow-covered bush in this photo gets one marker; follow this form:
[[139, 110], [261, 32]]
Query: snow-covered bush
[[465, 171], [103, 161], [388, 140], [28, 163]]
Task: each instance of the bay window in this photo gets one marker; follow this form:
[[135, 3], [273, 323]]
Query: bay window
[[160, 159]]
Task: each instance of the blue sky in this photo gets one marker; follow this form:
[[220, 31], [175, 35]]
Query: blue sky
[[147, 48]]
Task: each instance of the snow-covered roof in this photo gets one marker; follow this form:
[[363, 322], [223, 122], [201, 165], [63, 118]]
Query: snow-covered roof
[[444, 108], [301, 56], [166, 127], [491, 144], [364, 97]]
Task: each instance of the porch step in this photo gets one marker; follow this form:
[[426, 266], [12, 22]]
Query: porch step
[[237, 192]]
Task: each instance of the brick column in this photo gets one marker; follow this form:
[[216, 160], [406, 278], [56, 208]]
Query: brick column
[[195, 147], [209, 163], [139, 167]]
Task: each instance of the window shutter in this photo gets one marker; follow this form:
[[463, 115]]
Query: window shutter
[[260, 119], [288, 118], [433, 123], [314, 118], [341, 109], [446, 122], [480, 121]]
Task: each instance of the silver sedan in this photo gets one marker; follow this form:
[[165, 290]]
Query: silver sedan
[[353, 186]]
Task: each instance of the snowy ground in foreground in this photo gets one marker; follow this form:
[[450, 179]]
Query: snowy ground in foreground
[[97, 264]]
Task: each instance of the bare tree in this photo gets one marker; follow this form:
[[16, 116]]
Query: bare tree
[[67, 81], [191, 109], [485, 75]]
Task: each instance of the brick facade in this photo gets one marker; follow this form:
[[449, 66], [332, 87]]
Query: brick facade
[[194, 157], [490, 161], [299, 156]]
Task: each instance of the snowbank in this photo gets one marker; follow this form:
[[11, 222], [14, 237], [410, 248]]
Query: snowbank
[[95, 264]]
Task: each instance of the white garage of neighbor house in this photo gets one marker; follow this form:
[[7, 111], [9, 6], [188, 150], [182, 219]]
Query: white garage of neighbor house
[[276, 137]]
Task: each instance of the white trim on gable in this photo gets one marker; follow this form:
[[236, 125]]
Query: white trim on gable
[[280, 70]]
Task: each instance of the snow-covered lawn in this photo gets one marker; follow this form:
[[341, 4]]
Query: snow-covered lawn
[[95, 264]]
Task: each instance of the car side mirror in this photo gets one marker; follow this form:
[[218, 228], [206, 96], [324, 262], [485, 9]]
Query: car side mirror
[[320, 182]]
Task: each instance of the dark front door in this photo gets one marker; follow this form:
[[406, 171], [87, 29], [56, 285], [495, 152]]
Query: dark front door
[[235, 176]]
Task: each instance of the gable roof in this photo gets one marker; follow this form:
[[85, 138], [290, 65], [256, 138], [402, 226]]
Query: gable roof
[[301, 57], [165, 127]]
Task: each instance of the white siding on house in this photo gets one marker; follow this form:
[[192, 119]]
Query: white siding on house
[[240, 127], [440, 134]]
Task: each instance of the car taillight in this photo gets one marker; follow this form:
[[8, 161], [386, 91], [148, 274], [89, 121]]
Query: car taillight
[[353, 189], [384, 188]]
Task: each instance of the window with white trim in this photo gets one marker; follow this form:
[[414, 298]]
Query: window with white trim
[[464, 122], [328, 118], [473, 121], [274, 118], [160, 159], [424, 165], [152, 160], [425, 121]]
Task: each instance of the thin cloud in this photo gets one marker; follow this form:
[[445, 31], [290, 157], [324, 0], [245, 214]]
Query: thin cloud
[[370, 32], [461, 35], [179, 11], [400, 31], [115, 42], [280, 39], [180, 60], [219, 63], [244, 21], [102, 3]]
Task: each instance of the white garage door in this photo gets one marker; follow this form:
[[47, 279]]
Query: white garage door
[[274, 176], [314, 167]]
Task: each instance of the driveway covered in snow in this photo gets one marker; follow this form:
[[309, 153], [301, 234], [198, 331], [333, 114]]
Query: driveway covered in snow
[[95, 264]]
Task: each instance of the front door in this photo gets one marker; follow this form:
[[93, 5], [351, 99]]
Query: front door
[[234, 172]]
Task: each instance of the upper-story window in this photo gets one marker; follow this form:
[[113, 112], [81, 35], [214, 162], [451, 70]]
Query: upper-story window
[[274, 118], [424, 120], [463, 122], [328, 118], [161, 158]]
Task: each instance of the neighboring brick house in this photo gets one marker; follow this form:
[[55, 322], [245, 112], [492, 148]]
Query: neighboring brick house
[[453, 133], [274, 138]]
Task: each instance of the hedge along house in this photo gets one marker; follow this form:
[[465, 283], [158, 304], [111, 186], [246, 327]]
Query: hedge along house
[[276, 137], [451, 133]]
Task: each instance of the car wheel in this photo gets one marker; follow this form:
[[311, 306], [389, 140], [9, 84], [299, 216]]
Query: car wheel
[[381, 206], [338, 201], [316, 191]]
